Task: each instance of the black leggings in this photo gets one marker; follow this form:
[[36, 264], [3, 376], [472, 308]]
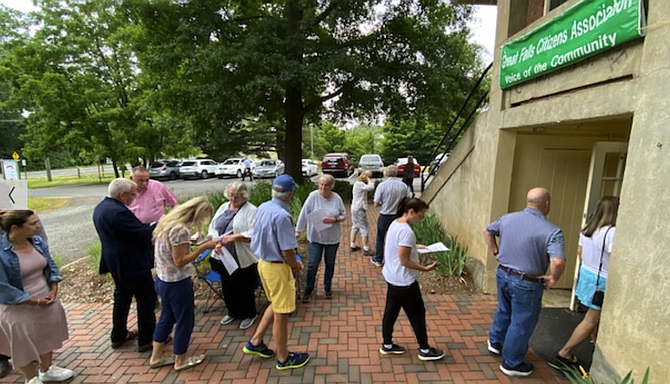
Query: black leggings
[[408, 298], [238, 289]]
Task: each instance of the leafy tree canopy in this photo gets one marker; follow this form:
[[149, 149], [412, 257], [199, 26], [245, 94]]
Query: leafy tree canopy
[[217, 63]]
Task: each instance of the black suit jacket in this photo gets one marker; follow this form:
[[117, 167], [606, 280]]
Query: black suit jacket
[[126, 241]]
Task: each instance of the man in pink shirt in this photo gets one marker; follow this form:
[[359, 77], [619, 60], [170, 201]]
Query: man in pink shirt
[[152, 197]]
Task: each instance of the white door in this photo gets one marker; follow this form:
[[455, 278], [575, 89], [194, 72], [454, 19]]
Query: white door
[[608, 161]]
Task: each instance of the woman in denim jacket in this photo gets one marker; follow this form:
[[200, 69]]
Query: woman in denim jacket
[[32, 319]]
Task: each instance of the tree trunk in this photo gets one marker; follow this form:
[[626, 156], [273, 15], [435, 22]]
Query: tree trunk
[[293, 139], [294, 111]]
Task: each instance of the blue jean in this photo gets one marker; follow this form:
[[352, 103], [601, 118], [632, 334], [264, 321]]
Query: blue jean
[[178, 311], [519, 304], [329, 252], [383, 224]]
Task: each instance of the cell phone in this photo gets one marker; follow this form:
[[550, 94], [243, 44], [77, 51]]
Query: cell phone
[[204, 240]]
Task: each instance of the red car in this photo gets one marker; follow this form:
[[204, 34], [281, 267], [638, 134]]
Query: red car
[[401, 162], [337, 164]]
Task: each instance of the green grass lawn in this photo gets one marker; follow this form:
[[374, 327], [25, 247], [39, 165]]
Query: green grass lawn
[[41, 182], [45, 204]]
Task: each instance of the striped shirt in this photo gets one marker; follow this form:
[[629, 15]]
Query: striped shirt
[[527, 241], [389, 193], [333, 207]]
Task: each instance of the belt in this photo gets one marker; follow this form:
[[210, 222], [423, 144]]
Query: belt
[[522, 275], [274, 261]]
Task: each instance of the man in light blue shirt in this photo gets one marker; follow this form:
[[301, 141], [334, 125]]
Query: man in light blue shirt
[[275, 245], [529, 244]]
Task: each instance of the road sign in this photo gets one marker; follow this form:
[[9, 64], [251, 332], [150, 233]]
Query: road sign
[[15, 156], [10, 169]]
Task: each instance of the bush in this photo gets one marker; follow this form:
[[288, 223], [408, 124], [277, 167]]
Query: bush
[[429, 231], [260, 193], [94, 253], [344, 189], [579, 376]]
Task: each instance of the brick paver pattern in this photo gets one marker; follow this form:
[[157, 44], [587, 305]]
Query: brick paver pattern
[[343, 336]]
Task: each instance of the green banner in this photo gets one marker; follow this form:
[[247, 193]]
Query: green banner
[[585, 29]]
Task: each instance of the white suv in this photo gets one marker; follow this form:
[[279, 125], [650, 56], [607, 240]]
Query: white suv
[[193, 169], [372, 163]]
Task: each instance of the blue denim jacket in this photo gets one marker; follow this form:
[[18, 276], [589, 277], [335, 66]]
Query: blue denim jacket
[[11, 286]]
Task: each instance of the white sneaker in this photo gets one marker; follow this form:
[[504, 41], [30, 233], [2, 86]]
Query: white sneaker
[[55, 373], [34, 380], [227, 320], [248, 322]]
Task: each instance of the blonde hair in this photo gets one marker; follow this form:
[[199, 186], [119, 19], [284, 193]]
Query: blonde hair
[[329, 179], [193, 213], [363, 175]]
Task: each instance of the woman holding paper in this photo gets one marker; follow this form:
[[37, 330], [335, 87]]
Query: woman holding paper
[[233, 225], [400, 271], [173, 284], [321, 215]]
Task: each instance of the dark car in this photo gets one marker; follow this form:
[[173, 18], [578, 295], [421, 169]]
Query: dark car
[[337, 164], [164, 169]]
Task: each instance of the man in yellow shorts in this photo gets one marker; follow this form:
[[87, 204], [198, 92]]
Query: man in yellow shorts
[[274, 243]]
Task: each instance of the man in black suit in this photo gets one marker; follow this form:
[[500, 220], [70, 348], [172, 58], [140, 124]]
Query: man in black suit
[[127, 255]]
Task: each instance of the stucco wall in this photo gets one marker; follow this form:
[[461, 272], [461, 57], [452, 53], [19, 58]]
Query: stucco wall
[[456, 195], [635, 327]]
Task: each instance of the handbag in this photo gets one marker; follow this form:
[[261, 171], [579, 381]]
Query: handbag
[[599, 295]]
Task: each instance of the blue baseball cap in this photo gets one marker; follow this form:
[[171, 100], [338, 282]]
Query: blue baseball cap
[[284, 183]]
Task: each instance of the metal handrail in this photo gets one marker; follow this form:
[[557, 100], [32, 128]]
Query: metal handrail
[[452, 142]]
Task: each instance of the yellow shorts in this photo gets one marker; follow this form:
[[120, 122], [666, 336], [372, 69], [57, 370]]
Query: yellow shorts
[[279, 285]]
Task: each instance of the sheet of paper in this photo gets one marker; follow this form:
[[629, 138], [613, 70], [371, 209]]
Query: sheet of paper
[[316, 219], [228, 260], [436, 247]]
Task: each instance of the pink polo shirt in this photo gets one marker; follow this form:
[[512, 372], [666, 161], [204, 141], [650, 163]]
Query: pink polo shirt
[[149, 205]]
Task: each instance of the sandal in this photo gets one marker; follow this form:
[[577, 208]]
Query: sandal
[[164, 361], [191, 362], [573, 361], [131, 335]]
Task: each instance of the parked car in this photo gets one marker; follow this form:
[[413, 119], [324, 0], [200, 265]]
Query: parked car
[[309, 169], [438, 161], [401, 162], [269, 168], [192, 169], [337, 164], [372, 163], [164, 169], [232, 168]]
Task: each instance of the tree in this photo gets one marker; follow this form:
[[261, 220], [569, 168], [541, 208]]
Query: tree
[[293, 61], [78, 76], [417, 138]]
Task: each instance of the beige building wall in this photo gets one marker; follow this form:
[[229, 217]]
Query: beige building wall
[[536, 127]]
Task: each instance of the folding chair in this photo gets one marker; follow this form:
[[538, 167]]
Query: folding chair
[[211, 278]]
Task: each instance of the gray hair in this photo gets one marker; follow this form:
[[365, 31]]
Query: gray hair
[[140, 169], [329, 179], [391, 171], [118, 186], [239, 189], [281, 195]]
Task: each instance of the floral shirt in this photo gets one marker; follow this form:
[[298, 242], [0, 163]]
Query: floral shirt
[[165, 268]]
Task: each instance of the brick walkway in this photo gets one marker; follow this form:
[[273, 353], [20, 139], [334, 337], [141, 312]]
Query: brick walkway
[[343, 336]]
